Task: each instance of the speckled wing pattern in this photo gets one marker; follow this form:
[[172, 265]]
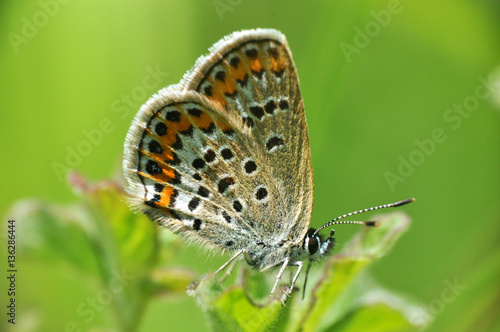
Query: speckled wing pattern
[[223, 157]]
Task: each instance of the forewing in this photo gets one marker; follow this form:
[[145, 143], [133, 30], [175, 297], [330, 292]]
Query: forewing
[[251, 76]]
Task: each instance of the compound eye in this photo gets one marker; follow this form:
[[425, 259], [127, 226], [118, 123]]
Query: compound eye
[[312, 245]]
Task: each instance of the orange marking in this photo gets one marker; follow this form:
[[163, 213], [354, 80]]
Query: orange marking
[[221, 88], [165, 141], [226, 86], [167, 155], [277, 64], [165, 176], [256, 64], [239, 72], [172, 129], [203, 122], [166, 197], [229, 85], [175, 127], [218, 95]]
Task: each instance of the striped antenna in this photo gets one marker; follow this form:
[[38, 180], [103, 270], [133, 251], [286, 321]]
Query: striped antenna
[[366, 223]]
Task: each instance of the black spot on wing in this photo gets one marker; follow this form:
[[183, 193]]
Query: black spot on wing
[[155, 147], [196, 112], [159, 187], [174, 116], [207, 90], [225, 183], [261, 193], [193, 203], [283, 104], [226, 216], [198, 163], [243, 83], [210, 129], [177, 145], [270, 107], [257, 111], [220, 75], [234, 62], [152, 167], [209, 156], [160, 129], [251, 53], [197, 224], [237, 206], [250, 166], [227, 154], [274, 142], [202, 191]]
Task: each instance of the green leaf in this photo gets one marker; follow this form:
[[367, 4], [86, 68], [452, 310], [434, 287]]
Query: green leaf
[[232, 309], [236, 309], [53, 234]]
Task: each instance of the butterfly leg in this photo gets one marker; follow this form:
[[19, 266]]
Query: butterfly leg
[[280, 273], [299, 264], [242, 251], [192, 288], [228, 271]]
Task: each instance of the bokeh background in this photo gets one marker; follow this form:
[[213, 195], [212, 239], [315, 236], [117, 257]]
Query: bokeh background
[[402, 100]]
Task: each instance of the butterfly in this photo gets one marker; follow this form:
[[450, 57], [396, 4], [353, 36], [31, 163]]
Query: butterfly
[[222, 158]]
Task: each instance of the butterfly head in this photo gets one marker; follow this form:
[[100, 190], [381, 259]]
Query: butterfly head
[[315, 246]]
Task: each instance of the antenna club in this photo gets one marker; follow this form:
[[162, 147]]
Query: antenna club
[[404, 202], [372, 223]]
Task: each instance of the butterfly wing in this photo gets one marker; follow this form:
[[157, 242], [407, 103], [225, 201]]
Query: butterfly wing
[[223, 157], [252, 76]]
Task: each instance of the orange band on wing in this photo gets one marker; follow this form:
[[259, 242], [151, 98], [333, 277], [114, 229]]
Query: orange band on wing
[[166, 197], [167, 174], [204, 121]]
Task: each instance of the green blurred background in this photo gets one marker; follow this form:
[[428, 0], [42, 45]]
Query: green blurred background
[[375, 87]]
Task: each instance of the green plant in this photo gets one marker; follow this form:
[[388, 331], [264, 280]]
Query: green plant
[[121, 254], [107, 245]]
